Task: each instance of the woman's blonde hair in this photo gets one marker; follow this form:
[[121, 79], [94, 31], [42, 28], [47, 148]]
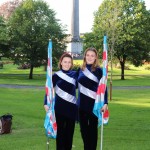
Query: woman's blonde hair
[[62, 57], [96, 62]]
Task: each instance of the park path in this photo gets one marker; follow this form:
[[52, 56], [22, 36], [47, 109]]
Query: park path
[[16, 86], [43, 87]]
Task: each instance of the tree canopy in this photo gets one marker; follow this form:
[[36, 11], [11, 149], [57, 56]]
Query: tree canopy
[[3, 38], [31, 26], [126, 23]]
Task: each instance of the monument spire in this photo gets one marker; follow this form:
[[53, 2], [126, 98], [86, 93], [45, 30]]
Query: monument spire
[[75, 45], [75, 21]]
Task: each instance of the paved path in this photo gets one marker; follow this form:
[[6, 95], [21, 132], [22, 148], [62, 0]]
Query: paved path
[[21, 86], [43, 87]]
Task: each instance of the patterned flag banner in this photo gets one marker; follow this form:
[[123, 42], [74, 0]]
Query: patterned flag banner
[[99, 102], [50, 120]]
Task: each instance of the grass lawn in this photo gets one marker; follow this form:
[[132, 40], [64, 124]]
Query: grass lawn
[[129, 123], [137, 76], [12, 69], [128, 128]]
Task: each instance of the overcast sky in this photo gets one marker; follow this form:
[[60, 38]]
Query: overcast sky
[[86, 10]]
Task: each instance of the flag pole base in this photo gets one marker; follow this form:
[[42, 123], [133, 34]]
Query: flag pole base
[[47, 143]]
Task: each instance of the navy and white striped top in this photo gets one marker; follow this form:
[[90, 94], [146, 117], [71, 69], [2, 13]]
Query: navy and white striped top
[[65, 83], [87, 84]]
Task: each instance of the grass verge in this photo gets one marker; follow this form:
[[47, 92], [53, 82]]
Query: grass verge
[[128, 128]]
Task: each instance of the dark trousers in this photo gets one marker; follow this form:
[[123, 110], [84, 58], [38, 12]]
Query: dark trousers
[[65, 131], [89, 130]]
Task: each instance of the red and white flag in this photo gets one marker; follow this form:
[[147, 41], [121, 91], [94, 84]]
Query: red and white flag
[[100, 97]]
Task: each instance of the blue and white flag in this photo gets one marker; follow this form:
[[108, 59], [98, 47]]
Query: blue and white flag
[[50, 120]]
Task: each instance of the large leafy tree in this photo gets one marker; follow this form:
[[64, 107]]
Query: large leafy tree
[[126, 23], [30, 27], [4, 46]]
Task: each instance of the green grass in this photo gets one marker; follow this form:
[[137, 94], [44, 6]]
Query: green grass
[[129, 123], [128, 128], [26, 106], [131, 81], [38, 80], [13, 69], [11, 75]]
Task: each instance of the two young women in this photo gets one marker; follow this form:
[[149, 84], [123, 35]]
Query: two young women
[[65, 82]]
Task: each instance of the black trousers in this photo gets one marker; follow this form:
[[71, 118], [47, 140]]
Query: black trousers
[[89, 129], [65, 131]]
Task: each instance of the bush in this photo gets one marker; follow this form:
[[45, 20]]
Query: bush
[[55, 67], [24, 66], [147, 67], [76, 66]]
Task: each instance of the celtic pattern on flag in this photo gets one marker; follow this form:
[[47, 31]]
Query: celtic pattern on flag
[[50, 120], [99, 102]]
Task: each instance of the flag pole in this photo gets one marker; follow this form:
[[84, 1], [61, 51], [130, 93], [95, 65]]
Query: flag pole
[[49, 73], [47, 143], [101, 146]]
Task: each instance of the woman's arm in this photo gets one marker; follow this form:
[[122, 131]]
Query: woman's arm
[[45, 100], [45, 103]]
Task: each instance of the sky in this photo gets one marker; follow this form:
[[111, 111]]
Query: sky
[[86, 10]]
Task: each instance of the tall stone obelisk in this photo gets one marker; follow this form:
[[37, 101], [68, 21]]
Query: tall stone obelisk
[[75, 45], [75, 21]]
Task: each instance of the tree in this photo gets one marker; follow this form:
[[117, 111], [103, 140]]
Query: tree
[[30, 27], [7, 8], [89, 41], [125, 23], [4, 40], [132, 45]]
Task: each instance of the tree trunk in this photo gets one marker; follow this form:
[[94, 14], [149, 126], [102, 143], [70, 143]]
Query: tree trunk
[[122, 64], [45, 67], [110, 90], [31, 72]]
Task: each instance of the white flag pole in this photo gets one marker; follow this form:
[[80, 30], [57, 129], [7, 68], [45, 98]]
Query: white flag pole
[[101, 147]]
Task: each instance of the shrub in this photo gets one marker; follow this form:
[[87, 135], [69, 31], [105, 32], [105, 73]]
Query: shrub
[[76, 66], [147, 67], [24, 66], [55, 67]]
